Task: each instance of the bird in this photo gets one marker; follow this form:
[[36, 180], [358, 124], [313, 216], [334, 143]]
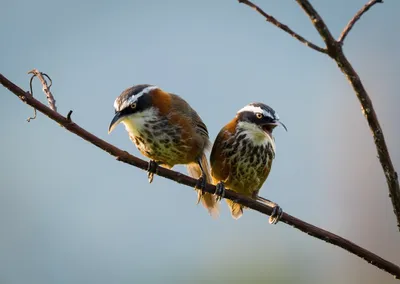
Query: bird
[[242, 155], [168, 131]]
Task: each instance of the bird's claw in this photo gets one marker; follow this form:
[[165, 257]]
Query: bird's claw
[[200, 185], [220, 190], [276, 215], [277, 211], [151, 170]]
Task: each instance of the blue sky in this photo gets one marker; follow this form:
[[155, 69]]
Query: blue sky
[[70, 213]]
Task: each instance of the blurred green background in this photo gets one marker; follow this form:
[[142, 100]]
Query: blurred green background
[[70, 213]]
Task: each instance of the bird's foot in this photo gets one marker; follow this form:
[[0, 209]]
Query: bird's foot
[[200, 185], [151, 170], [277, 211], [276, 215], [220, 190]]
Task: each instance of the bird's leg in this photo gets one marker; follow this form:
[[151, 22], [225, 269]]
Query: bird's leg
[[220, 190], [277, 211], [151, 170], [201, 183]]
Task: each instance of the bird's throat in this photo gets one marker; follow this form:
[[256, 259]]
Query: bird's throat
[[257, 135], [135, 123]]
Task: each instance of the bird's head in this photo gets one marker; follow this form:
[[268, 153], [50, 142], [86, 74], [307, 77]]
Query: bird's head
[[134, 102], [261, 116]]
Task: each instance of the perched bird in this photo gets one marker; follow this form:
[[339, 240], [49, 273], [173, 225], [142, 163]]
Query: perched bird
[[168, 131], [242, 155]]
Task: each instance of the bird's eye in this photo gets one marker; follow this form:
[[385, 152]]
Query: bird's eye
[[259, 115], [133, 106]]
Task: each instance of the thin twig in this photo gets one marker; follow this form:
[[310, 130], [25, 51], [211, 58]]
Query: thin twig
[[34, 110], [46, 88], [335, 51], [356, 17], [125, 157], [69, 116], [283, 27]]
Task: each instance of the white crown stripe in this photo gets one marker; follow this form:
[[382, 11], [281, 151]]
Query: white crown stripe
[[133, 99], [257, 109]]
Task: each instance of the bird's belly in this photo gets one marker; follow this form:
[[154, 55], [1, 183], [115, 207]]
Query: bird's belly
[[247, 179], [249, 167], [161, 143]]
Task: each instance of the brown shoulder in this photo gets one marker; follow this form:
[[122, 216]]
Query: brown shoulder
[[220, 169], [162, 100]]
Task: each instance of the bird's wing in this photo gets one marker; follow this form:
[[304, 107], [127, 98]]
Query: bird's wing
[[219, 168]]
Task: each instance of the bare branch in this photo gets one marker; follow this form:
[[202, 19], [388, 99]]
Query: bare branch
[[34, 110], [283, 27], [335, 51], [356, 17], [125, 157], [319, 25], [46, 88], [368, 110]]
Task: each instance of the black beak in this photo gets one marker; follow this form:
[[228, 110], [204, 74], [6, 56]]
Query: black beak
[[114, 122], [283, 125], [277, 123]]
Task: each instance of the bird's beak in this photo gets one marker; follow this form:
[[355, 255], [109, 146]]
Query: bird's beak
[[281, 124], [277, 123], [115, 121]]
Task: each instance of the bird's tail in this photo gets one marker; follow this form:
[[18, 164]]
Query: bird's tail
[[236, 209], [208, 200]]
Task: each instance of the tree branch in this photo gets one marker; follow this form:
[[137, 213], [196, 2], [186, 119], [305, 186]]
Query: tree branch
[[319, 24], [356, 17], [335, 51], [125, 157], [367, 109], [283, 27]]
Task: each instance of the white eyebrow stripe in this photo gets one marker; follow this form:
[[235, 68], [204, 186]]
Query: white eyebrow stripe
[[256, 109], [133, 99], [116, 104]]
